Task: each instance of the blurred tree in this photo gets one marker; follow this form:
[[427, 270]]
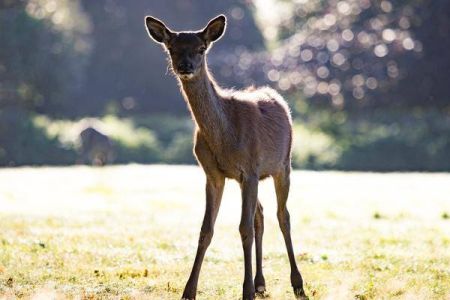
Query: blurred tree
[[11, 3], [23, 143], [356, 54], [427, 82], [355, 58], [41, 57], [126, 68]]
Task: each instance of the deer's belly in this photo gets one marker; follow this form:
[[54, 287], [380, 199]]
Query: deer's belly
[[240, 165]]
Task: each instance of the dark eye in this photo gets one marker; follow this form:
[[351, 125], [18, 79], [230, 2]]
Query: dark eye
[[201, 50]]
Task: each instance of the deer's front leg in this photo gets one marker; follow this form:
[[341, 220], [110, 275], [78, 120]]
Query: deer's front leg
[[214, 190], [249, 188]]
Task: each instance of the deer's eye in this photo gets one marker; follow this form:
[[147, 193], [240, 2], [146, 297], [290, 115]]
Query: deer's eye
[[201, 50]]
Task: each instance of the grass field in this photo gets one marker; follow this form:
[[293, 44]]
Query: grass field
[[131, 232]]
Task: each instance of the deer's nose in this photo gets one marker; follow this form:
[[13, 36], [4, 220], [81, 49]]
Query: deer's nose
[[185, 67]]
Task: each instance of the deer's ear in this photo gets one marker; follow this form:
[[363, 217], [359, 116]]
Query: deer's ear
[[215, 29], [157, 30]]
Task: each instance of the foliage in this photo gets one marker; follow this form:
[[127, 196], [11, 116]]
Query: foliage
[[420, 142], [383, 141], [378, 141], [355, 54], [41, 57], [141, 140], [313, 149], [131, 143], [24, 143], [175, 136], [128, 69]]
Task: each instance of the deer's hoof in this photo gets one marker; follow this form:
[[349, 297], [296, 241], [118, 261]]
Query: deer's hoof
[[261, 292], [300, 293], [260, 289], [260, 285]]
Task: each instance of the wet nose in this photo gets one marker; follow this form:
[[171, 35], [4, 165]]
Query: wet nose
[[185, 67]]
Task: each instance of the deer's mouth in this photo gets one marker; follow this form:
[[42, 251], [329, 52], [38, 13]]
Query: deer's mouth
[[185, 74]]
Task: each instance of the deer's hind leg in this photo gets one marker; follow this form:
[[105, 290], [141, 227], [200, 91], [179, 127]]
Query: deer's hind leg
[[282, 184], [260, 284]]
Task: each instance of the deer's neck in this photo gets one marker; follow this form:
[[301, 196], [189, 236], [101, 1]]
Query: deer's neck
[[207, 107]]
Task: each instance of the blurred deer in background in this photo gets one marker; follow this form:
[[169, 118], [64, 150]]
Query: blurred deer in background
[[96, 147], [243, 135]]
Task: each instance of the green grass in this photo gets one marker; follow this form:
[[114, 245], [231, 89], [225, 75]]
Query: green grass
[[131, 232]]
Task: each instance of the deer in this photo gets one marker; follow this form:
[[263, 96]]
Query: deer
[[241, 135], [96, 147]]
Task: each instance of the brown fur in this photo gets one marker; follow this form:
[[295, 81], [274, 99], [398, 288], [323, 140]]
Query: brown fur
[[96, 147], [244, 135], [248, 133]]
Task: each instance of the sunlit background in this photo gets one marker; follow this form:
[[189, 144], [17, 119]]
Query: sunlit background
[[81, 84], [367, 81]]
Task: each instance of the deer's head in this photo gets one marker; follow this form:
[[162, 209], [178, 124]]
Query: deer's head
[[186, 49]]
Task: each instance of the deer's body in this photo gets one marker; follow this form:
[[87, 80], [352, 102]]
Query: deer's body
[[247, 132], [244, 135], [96, 147]]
